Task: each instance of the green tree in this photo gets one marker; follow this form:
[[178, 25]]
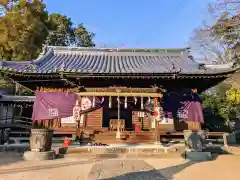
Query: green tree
[[83, 37], [62, 33], [221, 108], [23, 30]]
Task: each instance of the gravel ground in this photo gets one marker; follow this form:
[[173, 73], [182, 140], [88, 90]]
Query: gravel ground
[[76, 167]]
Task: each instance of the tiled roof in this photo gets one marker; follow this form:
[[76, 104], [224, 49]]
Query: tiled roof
[[111, 61]]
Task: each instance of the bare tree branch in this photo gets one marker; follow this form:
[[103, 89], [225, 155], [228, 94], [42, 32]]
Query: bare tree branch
[[217, 41]]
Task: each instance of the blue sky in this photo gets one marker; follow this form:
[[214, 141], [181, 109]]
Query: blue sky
[[135, 23]]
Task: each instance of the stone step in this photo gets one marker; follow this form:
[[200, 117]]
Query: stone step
[[121, 141], [26, 139], [26, 133]]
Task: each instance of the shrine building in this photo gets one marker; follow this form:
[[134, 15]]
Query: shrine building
[[143, 89]]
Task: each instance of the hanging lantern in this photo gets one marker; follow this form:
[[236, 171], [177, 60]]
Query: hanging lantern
[[125, 103], [156, 110], [76, 112], [86, 103]]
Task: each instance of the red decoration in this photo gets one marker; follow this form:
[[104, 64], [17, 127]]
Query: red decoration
[[137, 128], [155, 113], [66, 142]]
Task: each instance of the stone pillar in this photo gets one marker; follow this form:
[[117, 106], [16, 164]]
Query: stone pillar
[[229, 139]]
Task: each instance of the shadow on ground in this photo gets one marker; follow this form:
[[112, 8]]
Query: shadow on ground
[[110, 167], [155, 174], [146, 172], [43, 167]]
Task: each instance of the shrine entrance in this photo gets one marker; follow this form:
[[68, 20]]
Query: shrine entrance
[[111, 114], [121, 107]]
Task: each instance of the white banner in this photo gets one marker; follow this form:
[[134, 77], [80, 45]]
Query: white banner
[[67, 120], [70, 120]]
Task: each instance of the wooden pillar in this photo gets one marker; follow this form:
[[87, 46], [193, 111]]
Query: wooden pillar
[[156, 120], [14, 110], [78, 125], [6, 116]]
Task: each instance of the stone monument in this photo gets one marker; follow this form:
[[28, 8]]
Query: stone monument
[[195, 143]]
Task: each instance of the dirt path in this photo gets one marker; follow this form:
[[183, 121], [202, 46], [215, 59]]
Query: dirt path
[[76, 167]]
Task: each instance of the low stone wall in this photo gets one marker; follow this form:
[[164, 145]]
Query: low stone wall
[[118, 152], [235, 149]]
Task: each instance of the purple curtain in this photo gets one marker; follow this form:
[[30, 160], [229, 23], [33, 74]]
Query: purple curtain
[[185, 108], [50, 105], [192, 111]]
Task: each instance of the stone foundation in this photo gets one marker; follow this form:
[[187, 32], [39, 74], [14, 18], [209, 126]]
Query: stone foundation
[[198, 156], [39, 156]]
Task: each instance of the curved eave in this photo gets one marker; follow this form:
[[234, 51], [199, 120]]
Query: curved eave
[[173, 75], [151, 76], [10, 72]]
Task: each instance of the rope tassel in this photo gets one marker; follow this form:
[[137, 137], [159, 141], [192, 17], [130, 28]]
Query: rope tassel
[[141, 102], [110, 102], [93, 103], [125, 103], [135, 100]]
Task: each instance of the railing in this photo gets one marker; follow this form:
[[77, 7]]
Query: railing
[[5, 120], [21, 120]]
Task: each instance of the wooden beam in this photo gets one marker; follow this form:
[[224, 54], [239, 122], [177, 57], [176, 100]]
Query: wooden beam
[[123, 94], [124, 89]]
